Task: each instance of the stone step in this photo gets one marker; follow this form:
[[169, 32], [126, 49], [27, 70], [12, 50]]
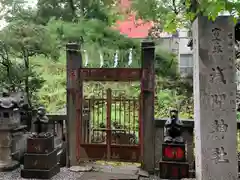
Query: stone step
[[40, 174], [107, 176]]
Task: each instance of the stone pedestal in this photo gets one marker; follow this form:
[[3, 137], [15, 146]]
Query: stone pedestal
[[215, 99], [173, 164], [41, 160]]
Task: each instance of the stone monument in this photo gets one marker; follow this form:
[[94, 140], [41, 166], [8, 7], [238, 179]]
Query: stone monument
[[41, 160], [9, 121], [173, 164], [215, 99]]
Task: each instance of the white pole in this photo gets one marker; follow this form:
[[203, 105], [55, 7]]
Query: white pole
[[116, 59]]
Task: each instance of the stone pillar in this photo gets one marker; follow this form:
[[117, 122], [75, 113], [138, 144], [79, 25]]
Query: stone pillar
[[6, 162], [214, 99], [6, 143]]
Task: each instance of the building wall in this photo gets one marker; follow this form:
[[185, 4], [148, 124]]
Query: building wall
[[185, 56], [238, 79], [169, 44], [179, 46]]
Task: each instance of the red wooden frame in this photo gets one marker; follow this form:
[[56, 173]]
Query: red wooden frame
[[76, 75], [110, 74]]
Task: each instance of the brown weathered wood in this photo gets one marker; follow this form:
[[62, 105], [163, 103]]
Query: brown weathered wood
[[74, 61], [109, 132], [79, 111], [148, 53], [110, 74]]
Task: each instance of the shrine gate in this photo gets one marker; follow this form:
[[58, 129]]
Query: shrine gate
[[90, 139]]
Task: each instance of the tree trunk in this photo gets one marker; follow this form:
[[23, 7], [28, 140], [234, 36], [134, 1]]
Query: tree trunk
[[6, 62], [73, 8], [26, 78]]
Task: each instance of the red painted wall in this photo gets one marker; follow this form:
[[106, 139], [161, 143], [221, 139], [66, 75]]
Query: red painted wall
[[130, 26]]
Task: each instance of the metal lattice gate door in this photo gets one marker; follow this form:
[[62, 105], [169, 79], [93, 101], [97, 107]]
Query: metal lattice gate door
[[110, 128]]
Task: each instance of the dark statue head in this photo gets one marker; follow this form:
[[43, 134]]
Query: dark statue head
[[174, 114], [41, 111]]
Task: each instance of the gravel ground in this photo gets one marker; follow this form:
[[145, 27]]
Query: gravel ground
[[65, 174], [157, 178]]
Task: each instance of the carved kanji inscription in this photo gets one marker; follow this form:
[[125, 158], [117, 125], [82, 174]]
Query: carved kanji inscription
[[217, 75]]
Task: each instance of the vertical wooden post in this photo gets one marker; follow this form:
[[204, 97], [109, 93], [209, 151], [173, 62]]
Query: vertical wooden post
[[109, 132], [147, 91], [79, 110], [74, 61]]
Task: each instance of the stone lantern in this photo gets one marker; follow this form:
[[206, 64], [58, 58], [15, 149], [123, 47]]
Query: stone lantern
[[9, 120]]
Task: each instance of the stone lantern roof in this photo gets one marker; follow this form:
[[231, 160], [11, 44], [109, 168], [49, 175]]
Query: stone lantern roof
[[9, 102]]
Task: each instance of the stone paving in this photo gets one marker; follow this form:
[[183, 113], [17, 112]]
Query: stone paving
[[94, 172], [65, 174]]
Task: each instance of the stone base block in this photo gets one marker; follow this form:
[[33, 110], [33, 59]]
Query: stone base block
[[40, 161], [173, 152], [63, 157], [40, 174], [192, 174], [40, 145], [9, 166], [173, 170]]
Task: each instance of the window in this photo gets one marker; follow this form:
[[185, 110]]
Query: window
[[186, 60], [5, 115], [186, 64], [184, 71]]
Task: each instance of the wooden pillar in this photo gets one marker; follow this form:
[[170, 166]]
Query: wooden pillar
[[74, 61], [147, 91], [109, 132]]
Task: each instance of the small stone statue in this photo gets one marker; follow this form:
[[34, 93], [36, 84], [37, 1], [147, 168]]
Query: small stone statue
[[173, 129], [41, 121]]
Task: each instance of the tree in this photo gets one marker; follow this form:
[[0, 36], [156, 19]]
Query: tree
[[72, 10], [66, 10], [179, 13], [24, 41], [33, 34]]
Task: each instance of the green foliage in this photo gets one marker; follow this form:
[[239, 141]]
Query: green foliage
[[70, 10], [35, 40], [93, 32], [179, 13], [21, 42], [166, 64], [53, 92]]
